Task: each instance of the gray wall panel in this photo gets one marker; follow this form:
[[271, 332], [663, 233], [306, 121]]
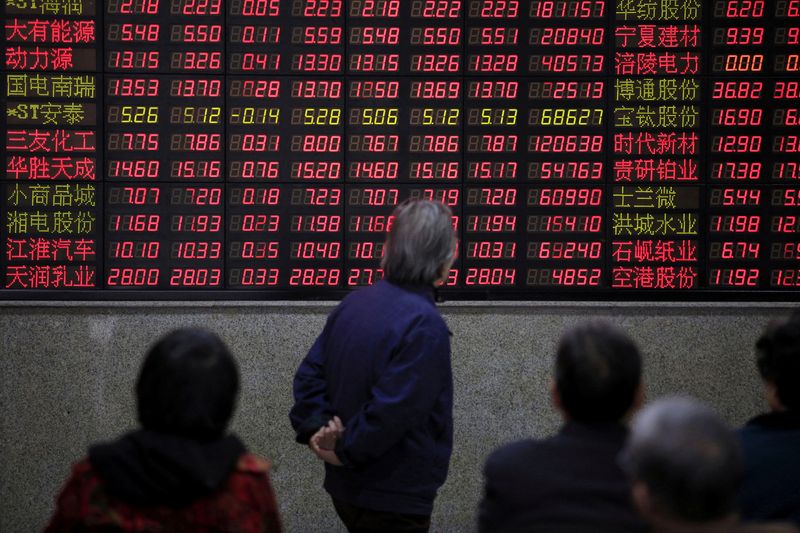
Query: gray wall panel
[[67, 374]]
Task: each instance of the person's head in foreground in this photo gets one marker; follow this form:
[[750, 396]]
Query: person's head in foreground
[[421, 244], [180, 471], [685, 466], [188, 386], [597, 374], [778, 360]]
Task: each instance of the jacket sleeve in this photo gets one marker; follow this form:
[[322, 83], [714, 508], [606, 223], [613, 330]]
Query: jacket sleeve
[[403, 396], [490, 509], [312, 408]]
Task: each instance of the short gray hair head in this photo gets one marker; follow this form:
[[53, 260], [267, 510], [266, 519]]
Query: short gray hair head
[[419, 244], [688, 458]]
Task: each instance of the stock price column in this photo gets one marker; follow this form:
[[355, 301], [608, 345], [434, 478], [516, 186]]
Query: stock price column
[[493, 143], [50, 208], [285, 144], [739, 146], [565, 119], [657, 148], [164, 144], [784, 143], [404, 119]]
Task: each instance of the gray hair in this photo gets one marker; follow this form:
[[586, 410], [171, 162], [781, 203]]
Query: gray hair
[[688, 458], [419, 244]]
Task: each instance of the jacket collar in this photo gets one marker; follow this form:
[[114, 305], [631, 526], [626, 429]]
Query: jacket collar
[[426, 291], [602, 430], [777, 420]]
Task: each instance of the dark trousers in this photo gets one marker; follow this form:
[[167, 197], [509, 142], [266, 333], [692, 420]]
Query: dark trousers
[[360, 520]]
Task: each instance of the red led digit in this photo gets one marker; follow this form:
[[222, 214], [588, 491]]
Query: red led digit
[[737, 116], [196, 33], [317, 196], [196, 223], [785, 224], [196, 250], [557, 36], [568, 277], [375, 8], [373, 170], [315, 250], [316, 170], [254, 249], [436, 9], [196, 7], [491, 250], [374, 89], [133, 87], [195, 277], [133, 169], [491, 276], [370, 223], [489, 89], [255, 223], [316, 223], [736, 144], [785, 278], [130, 33], [253, 61], [565, 143], [734, 277], [316, 89], [571, 197], [132, 277], [365, 250], [435, 36], [200, 196], [133, 59], [731, 197], [254, 277], [321, 8], [441, 170], [374, 62], [736, 170], [786, 171], [315, 62], [134, 249], [373, 197], [314, 277], [565, 223], [735, 223], [492, 196], [565, 250], [738, 90], [446, 196], [786, 197], [578, 9], [132, 7], [261, 8], [733, 250], [741, 9], [134, 195]]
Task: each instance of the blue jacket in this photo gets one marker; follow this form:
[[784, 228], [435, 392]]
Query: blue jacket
[[382, 364], [569, 482], [771, 485]]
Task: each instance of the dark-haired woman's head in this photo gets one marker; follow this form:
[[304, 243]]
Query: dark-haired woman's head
[[597, 373], [188, 385], [778, 359]]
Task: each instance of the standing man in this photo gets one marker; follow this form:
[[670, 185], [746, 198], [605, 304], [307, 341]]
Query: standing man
[[374, 395]]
